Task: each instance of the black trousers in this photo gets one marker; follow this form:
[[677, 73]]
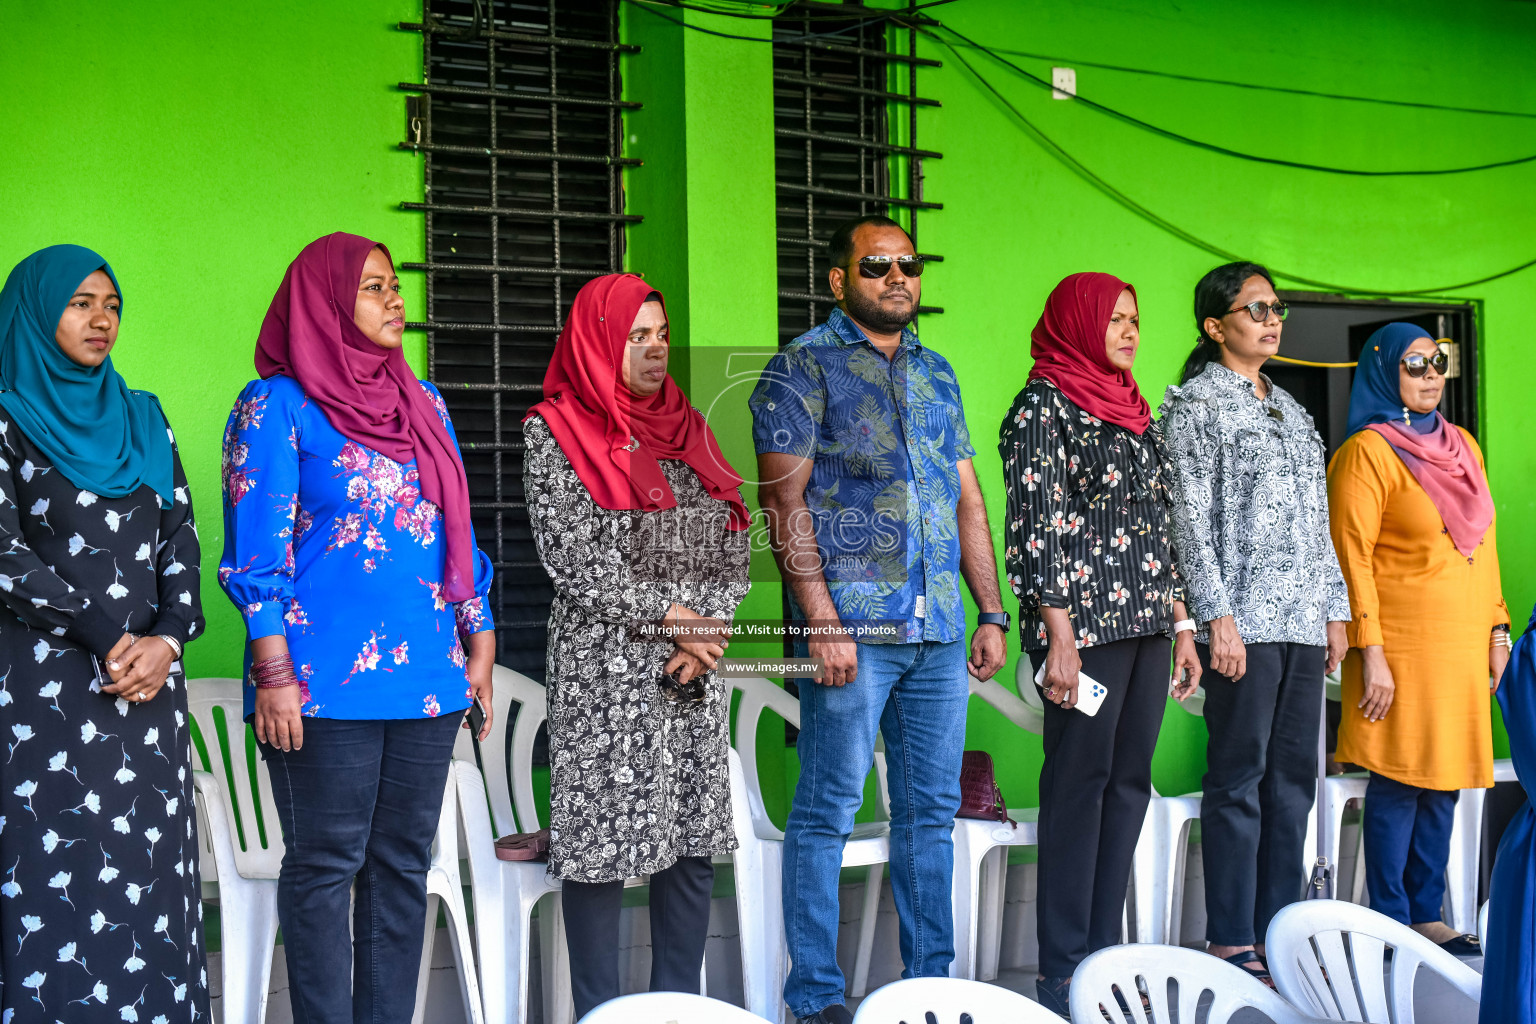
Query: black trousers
[[1094, 789], [1260, 784], [679, 928]]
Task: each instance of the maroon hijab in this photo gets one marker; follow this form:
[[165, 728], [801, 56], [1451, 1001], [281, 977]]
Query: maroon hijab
[[612, 438], [368, 393], [1067, 346]]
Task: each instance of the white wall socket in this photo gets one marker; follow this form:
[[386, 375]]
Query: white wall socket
[[1065, 82]]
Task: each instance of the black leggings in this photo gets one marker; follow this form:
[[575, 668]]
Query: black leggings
[[1094, 789], [679, 928]]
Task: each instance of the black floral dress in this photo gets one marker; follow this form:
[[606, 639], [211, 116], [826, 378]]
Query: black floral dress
[[635, 780], [1087, 527], [100, 918]]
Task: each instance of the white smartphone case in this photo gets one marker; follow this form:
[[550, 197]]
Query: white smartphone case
[[1090, 692]]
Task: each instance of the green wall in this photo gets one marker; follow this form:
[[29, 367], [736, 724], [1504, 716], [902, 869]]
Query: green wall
[[199, 148], [1016, 220]]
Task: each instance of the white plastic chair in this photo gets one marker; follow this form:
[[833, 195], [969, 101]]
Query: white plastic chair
[[504, 893], [1482, 924], [1464, 867], [245, 861], [668, 1008], [1109, 985], [759, 859], [445, 890], [1329, 957], [1340, 792], [981, 852], [946, 999], [246, 869]]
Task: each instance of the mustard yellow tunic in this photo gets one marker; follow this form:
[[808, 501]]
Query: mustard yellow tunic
[[1431, 609]]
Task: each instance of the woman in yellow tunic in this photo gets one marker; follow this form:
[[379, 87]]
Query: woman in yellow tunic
[[1412, 522]]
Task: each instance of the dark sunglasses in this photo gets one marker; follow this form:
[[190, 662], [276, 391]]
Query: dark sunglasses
[[691, 692], [1260, 310], [879, 266], [1418, 365]]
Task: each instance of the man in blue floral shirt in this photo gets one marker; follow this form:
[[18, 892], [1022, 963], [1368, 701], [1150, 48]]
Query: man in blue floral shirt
[[874, 514]]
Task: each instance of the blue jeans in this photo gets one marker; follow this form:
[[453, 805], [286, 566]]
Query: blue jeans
[[1407, 845], [916, 694], [360, 800]]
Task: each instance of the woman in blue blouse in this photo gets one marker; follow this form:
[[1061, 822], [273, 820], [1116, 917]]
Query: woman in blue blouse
[[349, 551]]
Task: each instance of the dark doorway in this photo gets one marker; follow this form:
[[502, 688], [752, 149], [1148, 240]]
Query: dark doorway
[[1330, 329]]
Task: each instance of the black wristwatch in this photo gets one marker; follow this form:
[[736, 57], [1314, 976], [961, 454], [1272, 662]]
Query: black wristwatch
[[1000, 619]]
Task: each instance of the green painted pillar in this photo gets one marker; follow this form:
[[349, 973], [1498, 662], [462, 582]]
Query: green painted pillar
[[706, 191]]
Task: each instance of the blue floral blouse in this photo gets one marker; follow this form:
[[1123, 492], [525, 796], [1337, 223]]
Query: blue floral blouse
[[333, 544]]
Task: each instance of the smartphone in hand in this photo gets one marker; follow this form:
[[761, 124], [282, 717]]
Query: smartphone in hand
[[476, 716]]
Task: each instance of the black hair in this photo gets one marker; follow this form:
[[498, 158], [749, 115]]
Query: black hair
[[840, 248], [653, 297], [1213, 298]]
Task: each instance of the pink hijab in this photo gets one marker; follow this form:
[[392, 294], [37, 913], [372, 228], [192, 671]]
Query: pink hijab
[[368, 393], [1442, 462]]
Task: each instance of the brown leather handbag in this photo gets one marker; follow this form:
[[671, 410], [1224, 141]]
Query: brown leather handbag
[[524, 846], [979, 795]]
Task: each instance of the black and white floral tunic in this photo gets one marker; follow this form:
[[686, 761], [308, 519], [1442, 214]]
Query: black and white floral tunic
[[100, 918], [1087, 522], [636, 781]]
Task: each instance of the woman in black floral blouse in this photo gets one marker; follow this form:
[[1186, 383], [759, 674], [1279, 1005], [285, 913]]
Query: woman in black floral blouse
[[1088, 556]]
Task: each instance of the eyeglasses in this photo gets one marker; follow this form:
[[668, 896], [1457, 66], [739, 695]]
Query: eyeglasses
[[1418, 365], [1260, 310], [879, 266], [691, 692]]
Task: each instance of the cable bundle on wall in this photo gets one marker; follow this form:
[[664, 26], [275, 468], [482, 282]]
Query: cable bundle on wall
[[910, 17], [1161, 222]]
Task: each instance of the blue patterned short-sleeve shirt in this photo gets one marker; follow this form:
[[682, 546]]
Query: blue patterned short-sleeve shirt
[[886, 436]]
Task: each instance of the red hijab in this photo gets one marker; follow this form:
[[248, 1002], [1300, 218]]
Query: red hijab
[[368, 393], [1068, 348], [612, 438]]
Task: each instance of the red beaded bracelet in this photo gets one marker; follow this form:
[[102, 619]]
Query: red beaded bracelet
[[274, 673]]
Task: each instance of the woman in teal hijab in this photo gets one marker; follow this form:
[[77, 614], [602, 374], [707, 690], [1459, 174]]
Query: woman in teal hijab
[[67, 398], [99, 567]]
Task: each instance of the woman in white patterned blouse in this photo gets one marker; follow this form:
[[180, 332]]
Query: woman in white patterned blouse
[[1250, 525]]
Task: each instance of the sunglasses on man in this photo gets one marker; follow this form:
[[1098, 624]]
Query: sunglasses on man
[[1418, 365], [880, 266]]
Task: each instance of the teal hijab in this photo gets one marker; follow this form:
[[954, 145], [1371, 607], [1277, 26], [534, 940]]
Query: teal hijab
[[104, 437]]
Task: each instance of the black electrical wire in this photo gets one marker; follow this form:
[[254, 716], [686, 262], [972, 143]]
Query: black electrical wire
[[1190, 238], [825, 14], [1263, 87], [1212, 147], [651, 6]]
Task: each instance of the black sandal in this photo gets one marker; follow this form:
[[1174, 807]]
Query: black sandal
[[1244, 959], [1051, 993], [1462, 946]]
